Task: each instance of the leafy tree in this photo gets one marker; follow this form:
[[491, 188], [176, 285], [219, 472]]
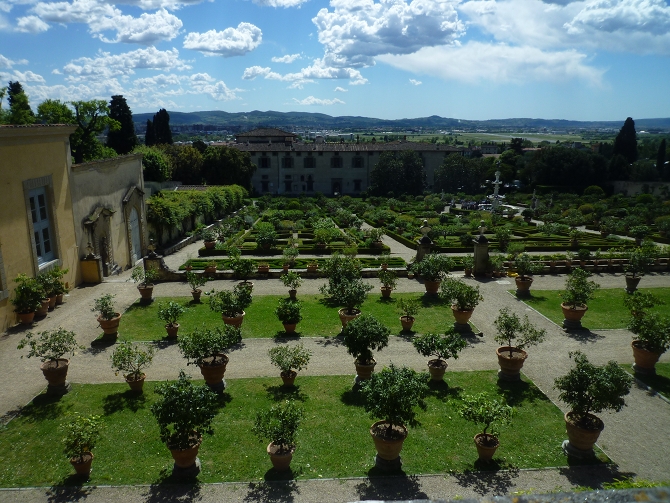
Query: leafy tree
[[19, 106], [150, 134], [227, 166], [200, 146], [187, 164], [398, 172], [162, 127], [155, 162], [122, 140], [517, 145], [55, 112], [625, 142], [92, 118], [458, 174], [663, 170], [3, 113]]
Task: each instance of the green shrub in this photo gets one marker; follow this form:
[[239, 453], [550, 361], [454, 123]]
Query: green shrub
[[50, 345], [81, 435], [289, 358], [516, 333], [463, 296], [132, 359], [482, 410], [204, 346], [279, 425], [363, 335], [288, 311], [441, 347]]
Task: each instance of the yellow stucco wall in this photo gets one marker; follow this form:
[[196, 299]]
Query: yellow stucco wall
[[31, 153]]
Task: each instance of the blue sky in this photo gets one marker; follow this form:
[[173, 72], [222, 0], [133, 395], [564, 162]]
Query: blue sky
[[468, 59]]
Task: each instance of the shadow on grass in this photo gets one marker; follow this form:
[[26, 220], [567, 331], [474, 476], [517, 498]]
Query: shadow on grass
[[128, 399], [441, 390], [653, 384], [386, 301], [278, 487], [382, 486], [278, 393], [593, 476], [432, 300], [353, 398], [170, 490], [329, 302], [44, 407], [519, 392], [494, 477], [69, 489]]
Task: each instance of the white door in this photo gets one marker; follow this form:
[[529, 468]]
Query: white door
[[136, 243]]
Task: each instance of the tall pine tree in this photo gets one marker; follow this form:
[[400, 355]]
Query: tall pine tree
[[162, 127], [150, 134], [123, 140], [660, 162], [19, 106], [625, 143]]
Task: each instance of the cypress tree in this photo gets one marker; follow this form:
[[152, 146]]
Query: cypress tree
[[625, 142], [150, 135], [162, 127], [660, 162], [124, 139], [19, 106]]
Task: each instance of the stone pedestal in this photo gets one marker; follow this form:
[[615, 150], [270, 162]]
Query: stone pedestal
[[424, 247], [572, 325], [218, 388], [186, 473], [393, 465], [154, 262], [573, 452], [91, 269], [481, 256], [644, 371], [60, 390]]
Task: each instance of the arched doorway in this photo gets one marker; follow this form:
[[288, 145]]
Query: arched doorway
[[135, 241]]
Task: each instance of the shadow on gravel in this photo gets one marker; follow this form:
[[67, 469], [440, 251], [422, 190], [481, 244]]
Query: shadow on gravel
[[380, 486], [584, 335], [167, 490], [495, 477], [67, 491], [594, 476], [128, 399], [273, 492], [281, 336], [330, 341]]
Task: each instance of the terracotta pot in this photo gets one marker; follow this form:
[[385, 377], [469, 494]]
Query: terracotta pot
[[484, 450], [523, 286], [83, 468], [213, 374], [346, 318], [263, 269], [210, 244], [386, 291], [289, 328], [511, 367], [185, 458], [410, 275], [312, 268], [407, 322], [55, 371], [43, 309], [288, 378], [387, 449], [468, 272], [364, 371], [292, 294], [110, 327], [26, 318], [59, 299], [437, 368], [462, 317], [576, 314], [172, 330], [645, 361], [210, 269], [280, 462], [385, 267], [285, 267], [631, 283], [146, 291], [247, 284], [136, 385], [432, 287], [235, 321], [52, 303], [582, 438], [196, 295]]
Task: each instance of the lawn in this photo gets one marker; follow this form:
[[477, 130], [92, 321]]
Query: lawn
[[606, 310], [660, 382], [320, 319], [333, 440]]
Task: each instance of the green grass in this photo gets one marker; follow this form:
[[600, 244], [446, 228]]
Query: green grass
[[320, 319], [606, 310], [333, 440], [660, 382]]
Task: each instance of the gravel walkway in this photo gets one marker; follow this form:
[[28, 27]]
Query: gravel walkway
[[637, 438]]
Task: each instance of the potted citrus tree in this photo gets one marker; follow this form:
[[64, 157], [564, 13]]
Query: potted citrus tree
[[652, 331], [107, 317], [231, 305], [195, 281], [432, 269], [145, 281], [468, 265], [50, 346], [463, 298], [362, 336], [170, 312], [279, 425], [183, 413], [350, 293], [389, 280], [588, 389], [392, 396], [132, 359], [442, 347], [243, 267], [578, 291], [209, 237], [206, 348], [639, 261], [27, 298], [514, 335], [525, 267], [292, 281], [290, 360], [290, 254], [288, 312], [485, 411], [81, 433], [408, 309]]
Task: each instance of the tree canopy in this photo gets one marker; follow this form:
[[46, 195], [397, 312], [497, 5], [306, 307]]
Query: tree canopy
[[92, 118], [625, 143], [162, 127], [123, 140], [459, 174], [19, 105], [399, 173], [55, 112]]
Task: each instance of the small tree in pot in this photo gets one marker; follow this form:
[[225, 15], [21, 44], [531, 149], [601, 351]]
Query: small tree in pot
[[588, 389], [463, 298], [639, 261], [290, 360], [408, 309], [81, 435], [206, 348], [514, 336], [362, 336], [442, 347], [231, 305], [266, 235], [288, 312], [389, 280], [482, 410], [350, 293], [652, 332], [525, 266], [195, 281], [392, 396], [50, 346], [279, 425], [432, 269], [108, 318], [243, 267], [292, 281], [28, 296], [170, 312], [183, 413], [132, 359], [145, 281], [578, 291]]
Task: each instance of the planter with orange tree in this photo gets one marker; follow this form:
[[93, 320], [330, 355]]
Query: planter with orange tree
[[183, 413], [468, 265], [231, 305], [525, 267], [243, 267], [578, 291], [170, 312], [132, 359], [392, 396], [463, 299], [145, 282], [27, 298], [384, 259], [639, 261], [50, 346], [292, 281], [652, 331], [81, 433], [48, 283], [206, 348], [107, 317], [345, 285], [195, 281], [588, 389], [290, 360], [290, 254], [362, 336], [432, 269], [516, 335], [209, 237], [60, 289], [389, 280], [288, 312], [482, 410], [442, 347], [408, 309], [279, 425], [266, 235], [374, 237]]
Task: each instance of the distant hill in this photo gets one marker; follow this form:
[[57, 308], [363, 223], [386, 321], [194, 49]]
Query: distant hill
[[256, 118]]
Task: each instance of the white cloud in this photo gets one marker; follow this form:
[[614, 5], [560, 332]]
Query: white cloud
[[318, 70], [476, 61], [280, 3], [415, 82], [79, 11], [358, 30], [29, 76], [146, 29], [8, 63], [651, 16], [339, 89], [289, 58], [258, 71], [229, 42], [311, 100], [5, 6], [218, 91], [31, 24]]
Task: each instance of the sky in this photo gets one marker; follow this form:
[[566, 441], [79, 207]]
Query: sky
[[389, 59]]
